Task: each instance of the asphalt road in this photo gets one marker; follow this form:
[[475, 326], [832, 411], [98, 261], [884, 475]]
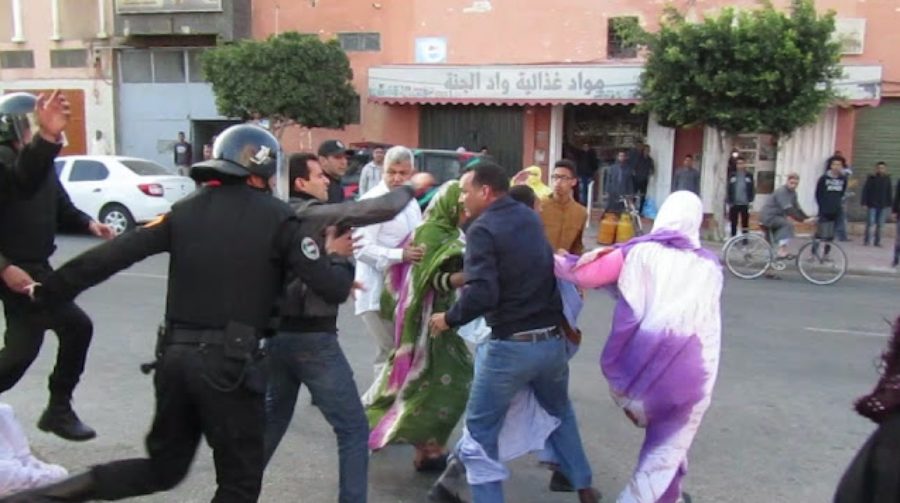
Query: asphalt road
[[781, 427]]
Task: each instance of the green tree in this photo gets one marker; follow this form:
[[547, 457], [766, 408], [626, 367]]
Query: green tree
[[288, 79], [757, 71]]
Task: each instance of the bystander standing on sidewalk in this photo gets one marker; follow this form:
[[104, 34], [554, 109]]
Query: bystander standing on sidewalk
[[876, 197]]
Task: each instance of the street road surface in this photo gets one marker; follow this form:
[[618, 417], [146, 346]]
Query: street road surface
[[780, 429]]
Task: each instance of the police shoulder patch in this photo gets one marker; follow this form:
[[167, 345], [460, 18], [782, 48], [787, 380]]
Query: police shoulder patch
[[309, 248]]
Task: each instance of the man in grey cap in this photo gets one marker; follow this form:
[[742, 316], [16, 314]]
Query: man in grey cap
[[333, 159]]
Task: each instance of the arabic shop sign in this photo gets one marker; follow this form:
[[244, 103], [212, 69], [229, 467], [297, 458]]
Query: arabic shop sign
[[508, 82]]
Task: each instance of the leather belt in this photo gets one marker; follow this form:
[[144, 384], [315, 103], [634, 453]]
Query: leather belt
[[541, 334], [185, 336]]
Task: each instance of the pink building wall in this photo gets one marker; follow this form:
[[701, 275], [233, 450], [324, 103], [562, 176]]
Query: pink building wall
[[516, 32]]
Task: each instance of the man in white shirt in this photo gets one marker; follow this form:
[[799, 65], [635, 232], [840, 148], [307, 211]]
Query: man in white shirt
[[381, 246], [372, 172], [100, 146]]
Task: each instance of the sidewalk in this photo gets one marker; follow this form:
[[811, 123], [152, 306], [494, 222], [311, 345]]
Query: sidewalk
[[862, 260]]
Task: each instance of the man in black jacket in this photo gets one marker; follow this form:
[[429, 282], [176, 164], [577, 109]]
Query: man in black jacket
[[524, 312], [740, 196], [333, 159], [306, 349], [830, 197], [230, 244], [876, 197], [30, 215]]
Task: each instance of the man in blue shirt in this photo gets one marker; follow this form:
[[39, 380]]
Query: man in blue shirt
[[510, 281]]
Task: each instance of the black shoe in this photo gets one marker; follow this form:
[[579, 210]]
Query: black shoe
[[685, 498], [560, 484], [451, 486], [437, 464], [61, 420], [77, 488]]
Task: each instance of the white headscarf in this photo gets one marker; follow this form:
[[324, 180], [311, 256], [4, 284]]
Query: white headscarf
[[681, 212]]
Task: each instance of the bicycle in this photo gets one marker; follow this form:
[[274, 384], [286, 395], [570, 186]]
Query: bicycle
[[631, 210], [749, 256]]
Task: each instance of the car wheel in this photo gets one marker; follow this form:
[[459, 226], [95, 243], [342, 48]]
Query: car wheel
[[117, 217]]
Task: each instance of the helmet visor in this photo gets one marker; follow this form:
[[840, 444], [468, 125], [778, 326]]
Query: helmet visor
[[17, 127], [281, 182]]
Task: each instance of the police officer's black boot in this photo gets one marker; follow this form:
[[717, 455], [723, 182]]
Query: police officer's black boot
[[59, 418], [77, 488]]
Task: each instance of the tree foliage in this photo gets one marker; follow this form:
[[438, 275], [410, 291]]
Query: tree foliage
[[759, 71], [287, 79]]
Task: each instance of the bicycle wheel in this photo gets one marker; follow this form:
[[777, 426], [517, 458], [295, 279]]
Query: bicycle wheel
[[638, 224], [822, 262], [748, 256]]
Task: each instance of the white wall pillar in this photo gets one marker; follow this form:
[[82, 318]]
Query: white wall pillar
[[101, 19], [556, 134], [54, 20], [805, 152], [661, 140], [713, 172], [18, 32]]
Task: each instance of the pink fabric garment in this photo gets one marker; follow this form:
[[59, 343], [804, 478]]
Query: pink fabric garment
[[600, 272]]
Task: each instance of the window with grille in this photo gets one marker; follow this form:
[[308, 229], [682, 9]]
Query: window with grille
[[136, 67], [168, 67], [360, 42], [195, 68], [16, 59], [68, 58], [616, 46]]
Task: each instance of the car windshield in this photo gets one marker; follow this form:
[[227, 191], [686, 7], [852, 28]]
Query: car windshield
[[443, 167], [144, 168]]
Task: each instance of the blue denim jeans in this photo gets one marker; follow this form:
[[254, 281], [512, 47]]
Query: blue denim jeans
[[876, 217], [316, 360], [583, 185], [840, 224], [502, 368]]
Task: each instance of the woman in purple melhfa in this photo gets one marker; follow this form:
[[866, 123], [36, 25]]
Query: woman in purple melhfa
[[662, 355]]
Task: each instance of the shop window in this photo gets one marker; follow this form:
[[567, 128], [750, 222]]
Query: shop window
[[360, 42], [68, 58], [16, 59], [168, 67], [616, 46], [136, 67]]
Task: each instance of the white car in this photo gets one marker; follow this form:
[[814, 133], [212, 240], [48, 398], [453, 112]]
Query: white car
[[120, 191]]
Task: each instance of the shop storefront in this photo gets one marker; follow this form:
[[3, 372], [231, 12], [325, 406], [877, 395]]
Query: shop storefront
[[531, 114]]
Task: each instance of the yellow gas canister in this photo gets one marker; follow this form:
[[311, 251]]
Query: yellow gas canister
[[606, 234], [624, 229]]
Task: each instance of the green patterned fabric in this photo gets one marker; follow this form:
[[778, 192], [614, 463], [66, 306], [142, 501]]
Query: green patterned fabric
[[425, 385]]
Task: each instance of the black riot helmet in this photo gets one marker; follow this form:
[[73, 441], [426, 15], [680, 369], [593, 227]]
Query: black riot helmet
[[17, 117], [241, 151]]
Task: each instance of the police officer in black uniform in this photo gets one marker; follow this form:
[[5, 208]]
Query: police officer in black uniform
[[33, 205], [231, 244]]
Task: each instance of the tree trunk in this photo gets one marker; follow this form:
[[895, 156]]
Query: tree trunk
[[713, 177]]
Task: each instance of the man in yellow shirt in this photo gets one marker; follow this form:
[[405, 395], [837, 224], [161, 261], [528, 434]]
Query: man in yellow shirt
[[563, 217]]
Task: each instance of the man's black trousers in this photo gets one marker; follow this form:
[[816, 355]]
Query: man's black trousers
[[26, 324], [199, 393]]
